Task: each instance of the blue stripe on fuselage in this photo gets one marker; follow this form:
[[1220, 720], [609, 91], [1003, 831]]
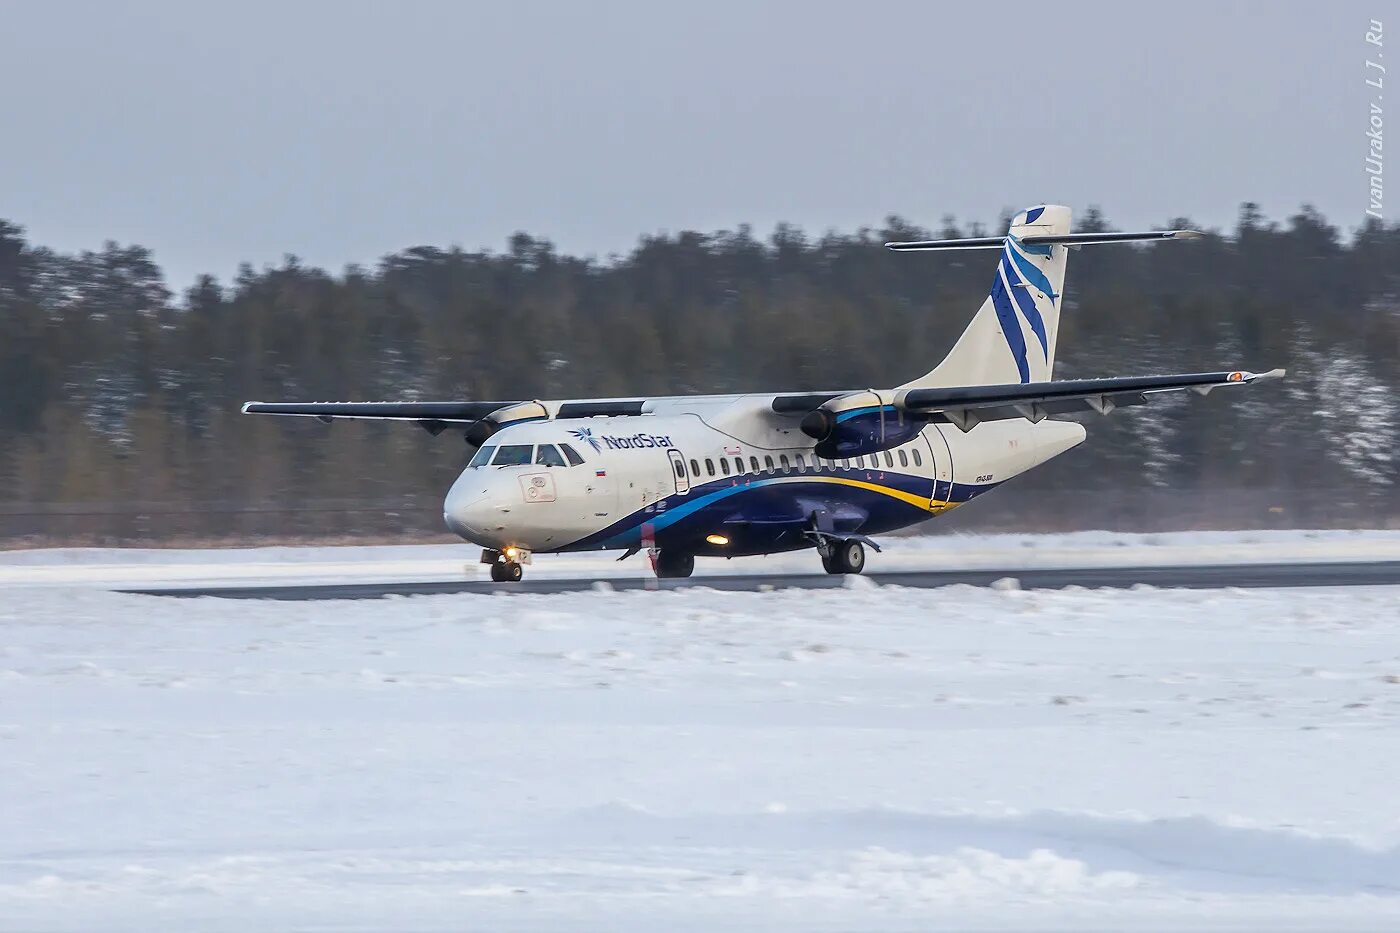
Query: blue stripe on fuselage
[[740, 499]]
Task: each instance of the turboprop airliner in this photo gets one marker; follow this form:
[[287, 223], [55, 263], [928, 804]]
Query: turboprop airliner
[[736, 475]]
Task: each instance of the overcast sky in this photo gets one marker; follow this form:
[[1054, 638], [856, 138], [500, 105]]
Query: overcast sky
[[220, 133]]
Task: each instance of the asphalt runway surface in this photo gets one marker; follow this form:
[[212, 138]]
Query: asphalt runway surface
[[1200, 576]]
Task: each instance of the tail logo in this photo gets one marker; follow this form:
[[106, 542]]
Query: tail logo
[[1016, 275]]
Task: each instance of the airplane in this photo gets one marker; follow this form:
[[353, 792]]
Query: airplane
[[750, 474]]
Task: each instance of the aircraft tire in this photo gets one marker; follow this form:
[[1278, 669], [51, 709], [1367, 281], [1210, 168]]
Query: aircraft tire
[[674, 564], [507, 571], [849, 557]]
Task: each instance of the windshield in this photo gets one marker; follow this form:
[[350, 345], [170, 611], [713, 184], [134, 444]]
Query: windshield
[[549, 455], [513, 455], [483, 456]]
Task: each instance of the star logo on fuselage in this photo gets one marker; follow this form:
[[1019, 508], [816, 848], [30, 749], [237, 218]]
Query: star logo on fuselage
[[586, 434]]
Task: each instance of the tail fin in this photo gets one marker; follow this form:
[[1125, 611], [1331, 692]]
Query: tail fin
[[1012, 337]]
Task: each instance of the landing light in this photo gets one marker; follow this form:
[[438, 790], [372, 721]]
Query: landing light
[[510, 553], [717, 539]]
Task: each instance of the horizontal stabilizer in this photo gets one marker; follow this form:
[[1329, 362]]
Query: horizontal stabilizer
[[1063, 239]]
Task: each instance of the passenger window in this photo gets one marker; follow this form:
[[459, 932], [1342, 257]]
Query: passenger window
[[723, 465], [738, 464], [483, 456], [787, 467], [845, 463], [572, 454], [768, 461], [753, 462], [513, 455], [709, 466], [548, 455], [903, 459], [694, 468], [801, 464], [889, 461], [680, 469], [918, 460]]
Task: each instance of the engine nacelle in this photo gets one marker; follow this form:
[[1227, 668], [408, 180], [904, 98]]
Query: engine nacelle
[[480, 431], [858, 424]]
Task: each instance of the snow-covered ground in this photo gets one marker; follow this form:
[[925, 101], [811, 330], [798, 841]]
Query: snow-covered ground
[[138, 567], [862, 758]]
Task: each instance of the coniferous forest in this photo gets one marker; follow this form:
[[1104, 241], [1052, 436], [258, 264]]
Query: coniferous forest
[[119, 399]]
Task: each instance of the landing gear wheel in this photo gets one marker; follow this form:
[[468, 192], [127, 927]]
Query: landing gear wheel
[[846, 557], [673, 564], [507, 571]]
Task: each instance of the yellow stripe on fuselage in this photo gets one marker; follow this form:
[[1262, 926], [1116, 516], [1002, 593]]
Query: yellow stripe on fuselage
[[919, 502]]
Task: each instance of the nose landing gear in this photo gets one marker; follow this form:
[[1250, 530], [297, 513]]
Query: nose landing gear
[[506, 567], [507, 571]]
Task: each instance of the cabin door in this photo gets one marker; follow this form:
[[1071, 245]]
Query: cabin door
[[940, 469], [678, 472]]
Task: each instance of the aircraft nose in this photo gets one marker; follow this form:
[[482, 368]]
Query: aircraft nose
[[474, 510]]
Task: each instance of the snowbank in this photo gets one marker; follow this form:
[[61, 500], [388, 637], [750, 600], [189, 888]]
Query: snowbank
[[873, 758]]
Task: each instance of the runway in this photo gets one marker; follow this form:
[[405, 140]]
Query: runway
[[1201, 576]]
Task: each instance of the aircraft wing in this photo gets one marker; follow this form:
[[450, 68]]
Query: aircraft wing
[[434, 417], [402, 411], [482, 418], [964, 406], [967, 406]]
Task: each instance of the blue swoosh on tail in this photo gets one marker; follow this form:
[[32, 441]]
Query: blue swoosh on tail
[[1010, 326], [1028, 269], [1026, 302]]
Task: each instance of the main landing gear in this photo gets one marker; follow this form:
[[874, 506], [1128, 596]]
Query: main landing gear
[[839, 554], [506, 567], [843, 556], [671, 563]]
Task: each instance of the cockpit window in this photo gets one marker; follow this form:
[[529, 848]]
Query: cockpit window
[[572, 454], [548, 455], [513, 455], [483, 456]]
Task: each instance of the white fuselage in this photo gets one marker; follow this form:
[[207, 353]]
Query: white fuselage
[[728, 468]]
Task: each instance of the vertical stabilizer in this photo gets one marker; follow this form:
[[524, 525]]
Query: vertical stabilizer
[[1012, 337]]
